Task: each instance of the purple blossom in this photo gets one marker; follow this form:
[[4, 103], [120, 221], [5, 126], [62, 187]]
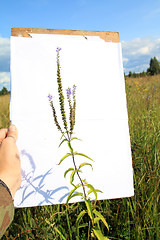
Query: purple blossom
[[58, 49], [147, 98], [153, 87], [50, 97], [74, 87], [68, 90]]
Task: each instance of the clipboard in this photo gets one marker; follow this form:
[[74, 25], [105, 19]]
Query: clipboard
[[92, 60]]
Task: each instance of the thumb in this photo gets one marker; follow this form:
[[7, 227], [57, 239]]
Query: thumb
[[12, 132]]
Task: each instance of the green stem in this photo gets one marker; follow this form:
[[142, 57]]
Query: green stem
[[75, 167], [68, 223], [89, 226]]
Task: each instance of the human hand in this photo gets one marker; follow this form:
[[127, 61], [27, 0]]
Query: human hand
[[10, 168]]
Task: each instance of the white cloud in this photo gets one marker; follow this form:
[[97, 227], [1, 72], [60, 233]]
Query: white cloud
[[4, 77], [4, 46], [138, 52], [5, 80], [143, 50], [125, 59], [4, 54]]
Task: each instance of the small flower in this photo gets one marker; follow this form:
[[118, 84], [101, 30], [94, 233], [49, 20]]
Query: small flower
[[74, 87], [68, 90], [147, 98], [50, 97], [58, 49]]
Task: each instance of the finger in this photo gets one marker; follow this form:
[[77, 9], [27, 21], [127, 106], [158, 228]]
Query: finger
[[12, 132], [3, 134]]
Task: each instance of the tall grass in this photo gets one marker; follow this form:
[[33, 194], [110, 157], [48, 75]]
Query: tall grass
[[4, 111], [143, 97], [133, 218]]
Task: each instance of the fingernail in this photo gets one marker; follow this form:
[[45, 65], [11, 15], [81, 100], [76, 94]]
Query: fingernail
[[12, 128]]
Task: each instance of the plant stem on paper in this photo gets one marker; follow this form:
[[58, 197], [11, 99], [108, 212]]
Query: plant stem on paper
[[66, 130]]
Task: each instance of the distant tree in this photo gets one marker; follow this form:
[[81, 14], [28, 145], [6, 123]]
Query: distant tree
[[130, 74], [4, 91], [154, 67], [134, 74], [143, 74]]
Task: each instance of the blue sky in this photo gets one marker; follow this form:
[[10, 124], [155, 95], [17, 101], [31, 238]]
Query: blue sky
[[136, 21]]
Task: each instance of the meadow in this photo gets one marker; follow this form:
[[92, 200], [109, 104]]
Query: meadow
[[4, 111], [135, 218]]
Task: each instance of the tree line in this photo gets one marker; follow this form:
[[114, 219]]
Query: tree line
[[4, 91], [154, 69]]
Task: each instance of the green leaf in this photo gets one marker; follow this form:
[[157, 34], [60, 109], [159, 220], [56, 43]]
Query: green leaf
[[72, 177], [96, 219], [62, 142], [67, 155], [68, 170], [72, 191], [77, 194], [84, 164], [92, 190], [83, 225], [81, 154], [89, 209], [69, 145], [73, 195], [99, 234], [97, 190], [62, 135], [80, 215], [56, 229], [98, 214], [75, 138]]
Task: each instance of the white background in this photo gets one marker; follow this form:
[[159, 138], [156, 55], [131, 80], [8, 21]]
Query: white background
[[95, 67]]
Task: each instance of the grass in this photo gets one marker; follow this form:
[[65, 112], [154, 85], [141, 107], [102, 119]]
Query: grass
[[136, 218], [4, 111]]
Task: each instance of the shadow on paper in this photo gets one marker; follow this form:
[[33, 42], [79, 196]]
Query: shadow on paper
[[35, 185]]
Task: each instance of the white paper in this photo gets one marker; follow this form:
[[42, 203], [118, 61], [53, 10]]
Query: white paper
[[95, 67]]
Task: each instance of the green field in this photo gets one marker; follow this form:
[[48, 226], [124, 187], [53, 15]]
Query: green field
[[136, 218]]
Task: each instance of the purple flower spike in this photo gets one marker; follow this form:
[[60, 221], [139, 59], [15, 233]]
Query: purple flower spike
[[74, 87], [147, 98], [68, 92], [50, 97]]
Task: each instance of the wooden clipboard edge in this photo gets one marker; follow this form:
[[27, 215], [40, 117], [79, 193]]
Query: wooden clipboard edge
[[106, 36]]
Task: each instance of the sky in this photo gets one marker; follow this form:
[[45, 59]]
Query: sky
[[136, 21]]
